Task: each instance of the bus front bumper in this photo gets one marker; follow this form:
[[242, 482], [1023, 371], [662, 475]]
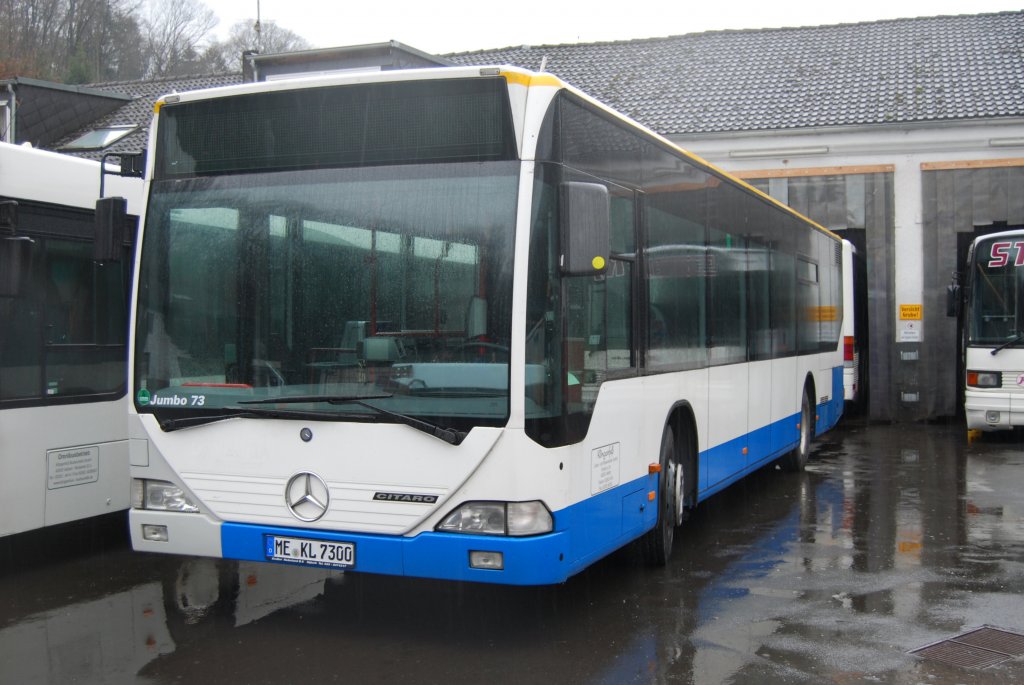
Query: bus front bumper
[[535, 560], [992, 411]]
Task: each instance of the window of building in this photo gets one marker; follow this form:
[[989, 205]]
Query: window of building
[[99, 138]]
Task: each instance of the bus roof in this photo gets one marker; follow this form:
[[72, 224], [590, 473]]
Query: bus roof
[[45, 176], [514, 75]]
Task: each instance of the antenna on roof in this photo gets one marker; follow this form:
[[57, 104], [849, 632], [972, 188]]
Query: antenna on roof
[[543, 63], [257, 28]]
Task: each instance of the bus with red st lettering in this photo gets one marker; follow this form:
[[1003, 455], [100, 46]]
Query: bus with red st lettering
[[990, 296]]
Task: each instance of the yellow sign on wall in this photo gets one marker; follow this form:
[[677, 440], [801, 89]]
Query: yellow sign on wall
[[910, 312]]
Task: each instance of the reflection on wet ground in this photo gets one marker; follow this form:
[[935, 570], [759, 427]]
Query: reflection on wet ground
[[895, 537]]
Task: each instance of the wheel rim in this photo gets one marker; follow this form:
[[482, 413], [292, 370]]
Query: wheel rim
[[677, 483], [805, 429], [669, 494]]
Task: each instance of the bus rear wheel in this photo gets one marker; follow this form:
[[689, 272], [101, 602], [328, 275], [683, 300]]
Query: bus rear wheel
[[657, 542], [796, 459]]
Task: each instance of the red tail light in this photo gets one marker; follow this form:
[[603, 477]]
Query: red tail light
[[848, 348]]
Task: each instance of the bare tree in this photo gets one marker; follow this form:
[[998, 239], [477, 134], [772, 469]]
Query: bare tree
[[69, 40], [104, 42], [269, 39], [30, 31], [87, 41], [176, 33]]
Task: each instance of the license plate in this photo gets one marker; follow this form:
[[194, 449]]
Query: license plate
[[311, 552]]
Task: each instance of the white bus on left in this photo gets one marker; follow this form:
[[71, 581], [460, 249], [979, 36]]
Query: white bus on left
[[63, 328]]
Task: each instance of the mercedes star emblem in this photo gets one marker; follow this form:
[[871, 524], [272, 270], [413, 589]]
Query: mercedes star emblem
[[307, 496]]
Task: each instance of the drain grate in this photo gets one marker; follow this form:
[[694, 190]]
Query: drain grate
[[980, 648]]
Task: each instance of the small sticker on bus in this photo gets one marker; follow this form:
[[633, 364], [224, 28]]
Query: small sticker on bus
[[147, 399], [604, 468], [72, 466]]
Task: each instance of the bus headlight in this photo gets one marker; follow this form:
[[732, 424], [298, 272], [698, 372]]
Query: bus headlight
[[160, 495], [498, 518], [528, 518], [983, 379]]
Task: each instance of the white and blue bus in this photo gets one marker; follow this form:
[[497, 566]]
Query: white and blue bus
[[459, 323], [990, 297], [852, 360], [63, 342]]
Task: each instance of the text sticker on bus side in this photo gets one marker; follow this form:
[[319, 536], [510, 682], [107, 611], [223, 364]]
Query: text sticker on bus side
[[604, 468], [999, 256]]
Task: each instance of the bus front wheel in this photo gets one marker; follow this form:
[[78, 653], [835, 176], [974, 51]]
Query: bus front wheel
[[657, 542]]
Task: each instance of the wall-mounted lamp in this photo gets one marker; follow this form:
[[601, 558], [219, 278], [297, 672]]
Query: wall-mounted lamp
[[780, 152], [1006, 142]]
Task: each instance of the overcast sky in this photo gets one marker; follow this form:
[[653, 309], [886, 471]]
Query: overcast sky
[[444, 26]]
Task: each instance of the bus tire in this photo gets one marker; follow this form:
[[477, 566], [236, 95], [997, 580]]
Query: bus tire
[[657, 542], [796, 459]]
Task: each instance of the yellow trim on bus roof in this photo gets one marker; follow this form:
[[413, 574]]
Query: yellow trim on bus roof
[[546, 79], [520, 79], [703, 162], [779, 203]]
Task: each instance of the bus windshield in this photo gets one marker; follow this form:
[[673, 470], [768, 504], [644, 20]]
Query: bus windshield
[[386, 283], [997, 298]]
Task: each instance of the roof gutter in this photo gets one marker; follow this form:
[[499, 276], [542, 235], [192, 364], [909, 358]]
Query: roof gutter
[[847, 129], [936, 140], [63, 87]]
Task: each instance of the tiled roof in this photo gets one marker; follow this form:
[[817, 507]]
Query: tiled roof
[[139, 111], [885, 72]]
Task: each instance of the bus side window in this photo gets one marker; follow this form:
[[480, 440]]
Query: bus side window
[[677, 300], [601, 312], [783, 306]]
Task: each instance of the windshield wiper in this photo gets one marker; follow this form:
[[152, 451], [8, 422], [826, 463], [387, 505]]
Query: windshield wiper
[[168, 425], [1012, 341], [449, 435]]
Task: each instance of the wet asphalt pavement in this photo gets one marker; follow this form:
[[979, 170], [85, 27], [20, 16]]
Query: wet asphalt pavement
[[895, 538]]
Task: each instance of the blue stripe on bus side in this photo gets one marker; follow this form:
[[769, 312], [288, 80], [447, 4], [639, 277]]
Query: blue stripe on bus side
[[834, 409], [725, 464], [830, 412]]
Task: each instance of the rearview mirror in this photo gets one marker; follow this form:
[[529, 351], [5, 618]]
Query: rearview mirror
[[111, 224], [585, 228], [953, 293], [952, 300]]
